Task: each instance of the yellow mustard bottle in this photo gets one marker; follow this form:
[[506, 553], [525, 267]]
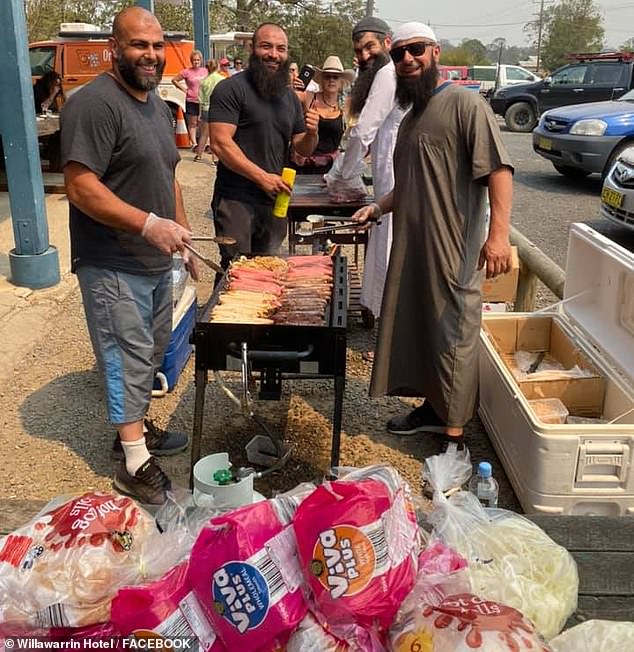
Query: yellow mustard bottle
[[280, 208]]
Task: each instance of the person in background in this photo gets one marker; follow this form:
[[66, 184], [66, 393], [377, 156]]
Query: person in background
[[449, 151], [378, 116], [47, 93], [207, 86], [191, 77], [294, 80], [254, 117], [237, 66], [328, 105], [224, 67], [126, 220]]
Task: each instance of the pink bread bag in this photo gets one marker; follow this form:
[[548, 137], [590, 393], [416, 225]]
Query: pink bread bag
[[245, 573], [358, 544], [167, 607]]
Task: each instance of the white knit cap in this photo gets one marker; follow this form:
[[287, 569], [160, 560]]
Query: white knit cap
[[408, 31]]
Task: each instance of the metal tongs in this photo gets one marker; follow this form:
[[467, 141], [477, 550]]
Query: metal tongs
[[219, 239], [315, 224], [210, 263]]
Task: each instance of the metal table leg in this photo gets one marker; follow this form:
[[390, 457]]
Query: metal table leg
[[200, 380], [340, 385]]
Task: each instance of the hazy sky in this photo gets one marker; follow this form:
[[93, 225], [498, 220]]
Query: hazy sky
[[489, 19]]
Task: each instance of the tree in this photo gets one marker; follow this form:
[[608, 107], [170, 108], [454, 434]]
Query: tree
[[628, 46], [568, 26], [476, 50]]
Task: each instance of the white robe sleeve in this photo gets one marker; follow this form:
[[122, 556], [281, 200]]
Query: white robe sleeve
[[377, 107]]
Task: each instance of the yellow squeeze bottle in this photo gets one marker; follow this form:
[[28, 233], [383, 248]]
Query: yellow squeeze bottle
[[280, 208]]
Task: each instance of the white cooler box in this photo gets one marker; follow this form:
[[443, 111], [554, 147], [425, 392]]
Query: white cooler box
[[568, 468]]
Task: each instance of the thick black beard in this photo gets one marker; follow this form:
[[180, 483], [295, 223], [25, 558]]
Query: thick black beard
[[268, 84], [364, 80], [128, 71], [417, 91]]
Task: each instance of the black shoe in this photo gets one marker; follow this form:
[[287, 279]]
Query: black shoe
[[149, 485], [449, 441], [160, 443], [421, 419]]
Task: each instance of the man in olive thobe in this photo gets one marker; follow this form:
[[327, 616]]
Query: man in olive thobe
[[448, 152]]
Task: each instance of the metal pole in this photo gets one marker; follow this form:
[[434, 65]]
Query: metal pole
[[369, 7], [146, 4], [33, 262], [200, 12], [539, 35]]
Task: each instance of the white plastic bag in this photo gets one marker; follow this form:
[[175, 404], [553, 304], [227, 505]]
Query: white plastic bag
[[349, 189], [596, 636], [511, 560]]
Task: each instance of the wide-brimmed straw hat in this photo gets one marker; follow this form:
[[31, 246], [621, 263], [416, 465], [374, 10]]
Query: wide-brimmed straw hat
[[333, 66]]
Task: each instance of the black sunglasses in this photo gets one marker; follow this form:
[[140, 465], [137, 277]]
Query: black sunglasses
[[415, 49]]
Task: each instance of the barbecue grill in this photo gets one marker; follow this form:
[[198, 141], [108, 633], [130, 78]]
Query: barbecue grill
[[275, 352]]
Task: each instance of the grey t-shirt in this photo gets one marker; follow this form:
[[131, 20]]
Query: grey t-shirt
[[263, 132], [130, 146]]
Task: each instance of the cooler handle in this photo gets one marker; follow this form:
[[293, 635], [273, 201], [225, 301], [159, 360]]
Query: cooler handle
[[602, 462]]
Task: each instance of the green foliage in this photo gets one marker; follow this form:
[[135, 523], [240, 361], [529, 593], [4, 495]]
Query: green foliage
[[464, 55], [43, 17], [476, 50], [175, 18], [628, 46], [569, 26], [315, 29]]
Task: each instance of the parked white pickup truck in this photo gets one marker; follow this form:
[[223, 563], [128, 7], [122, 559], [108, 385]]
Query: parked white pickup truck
[[490, 78]]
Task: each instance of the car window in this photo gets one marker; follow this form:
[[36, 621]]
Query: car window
[[482, 73], [570, 75], [42, 60], [605, 74], [518, 74]]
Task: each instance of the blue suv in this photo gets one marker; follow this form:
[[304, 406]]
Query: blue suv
[[586, 138]]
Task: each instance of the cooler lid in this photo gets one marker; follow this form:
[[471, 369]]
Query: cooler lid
[[599, 294]]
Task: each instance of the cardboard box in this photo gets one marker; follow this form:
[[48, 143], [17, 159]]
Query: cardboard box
[[503, 287], [568, 468]]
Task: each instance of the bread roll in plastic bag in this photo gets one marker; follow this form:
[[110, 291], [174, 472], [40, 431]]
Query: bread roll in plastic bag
[[310, 636], [510, 559], [596, 636], [358, 543], [466, 623], [245, 573], [64, 567], [167, 607]]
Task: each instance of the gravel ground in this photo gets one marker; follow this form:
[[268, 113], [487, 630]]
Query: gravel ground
[[56, 439]]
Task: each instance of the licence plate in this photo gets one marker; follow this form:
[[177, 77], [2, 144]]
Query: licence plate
[[612, 197], [544, 143]]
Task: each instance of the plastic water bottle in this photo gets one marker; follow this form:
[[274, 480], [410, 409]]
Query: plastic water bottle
[[484, 485]]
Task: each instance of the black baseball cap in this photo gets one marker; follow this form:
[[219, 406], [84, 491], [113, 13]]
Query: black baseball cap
[[370, 24]]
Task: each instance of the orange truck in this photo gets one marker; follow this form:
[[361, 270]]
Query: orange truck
[[81, 52]]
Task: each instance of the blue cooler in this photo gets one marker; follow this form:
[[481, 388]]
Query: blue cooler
[[179, 349]]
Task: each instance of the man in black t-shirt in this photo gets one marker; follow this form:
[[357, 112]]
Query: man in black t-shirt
[[119, 160], [253, 118]]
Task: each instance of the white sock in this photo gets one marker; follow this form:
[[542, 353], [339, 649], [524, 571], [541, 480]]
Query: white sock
[[136, 454]]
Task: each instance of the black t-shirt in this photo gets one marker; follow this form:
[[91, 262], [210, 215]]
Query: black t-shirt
[[330, 134], [264, 130], [130, 146]]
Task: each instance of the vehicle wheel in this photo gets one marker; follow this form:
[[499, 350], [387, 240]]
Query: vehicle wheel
[[615, 154], [571, 173], [520, 117]]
